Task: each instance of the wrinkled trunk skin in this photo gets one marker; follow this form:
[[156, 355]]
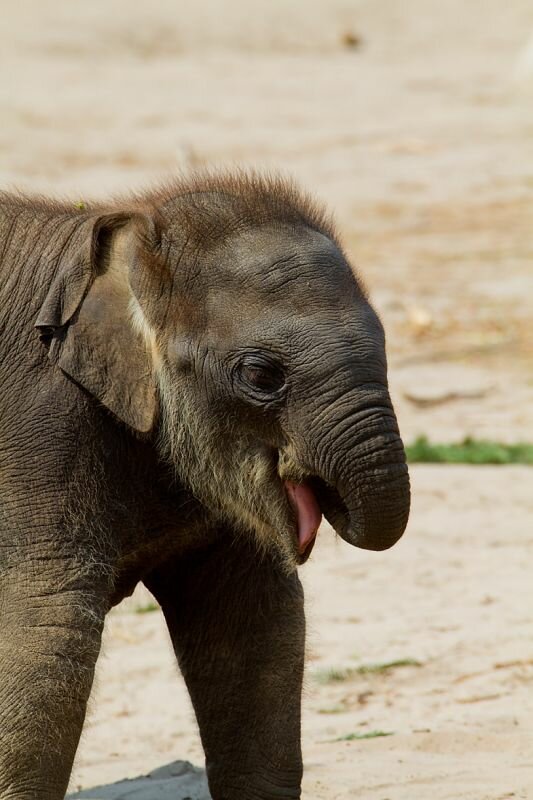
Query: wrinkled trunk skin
[[361, 455], [378, 501]]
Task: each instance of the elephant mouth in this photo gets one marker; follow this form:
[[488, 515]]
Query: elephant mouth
[[331, 504], [310, 501]]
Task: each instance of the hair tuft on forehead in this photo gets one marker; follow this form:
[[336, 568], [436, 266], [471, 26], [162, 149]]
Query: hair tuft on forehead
[[214, 204]]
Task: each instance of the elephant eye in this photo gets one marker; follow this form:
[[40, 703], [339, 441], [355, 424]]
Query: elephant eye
[[262, 375]]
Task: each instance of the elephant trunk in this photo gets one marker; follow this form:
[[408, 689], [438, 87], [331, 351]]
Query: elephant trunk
[[362, 481], [377, 500]]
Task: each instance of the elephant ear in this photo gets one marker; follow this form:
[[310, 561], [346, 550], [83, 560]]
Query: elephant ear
[[87, 318]]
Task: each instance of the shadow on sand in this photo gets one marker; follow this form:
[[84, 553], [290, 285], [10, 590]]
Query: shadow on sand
[[176, 781]]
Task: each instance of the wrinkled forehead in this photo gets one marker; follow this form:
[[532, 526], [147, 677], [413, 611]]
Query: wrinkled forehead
[[289, 288], [286, 264]]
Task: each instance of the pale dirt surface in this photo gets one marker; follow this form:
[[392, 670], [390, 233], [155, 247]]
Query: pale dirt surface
[[454, 595], [420, 139]]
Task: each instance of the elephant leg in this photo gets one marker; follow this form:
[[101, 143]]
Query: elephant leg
[[238, 629], [51, 620]]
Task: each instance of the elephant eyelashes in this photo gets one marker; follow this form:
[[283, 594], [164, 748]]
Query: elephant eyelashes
[[261, 377]]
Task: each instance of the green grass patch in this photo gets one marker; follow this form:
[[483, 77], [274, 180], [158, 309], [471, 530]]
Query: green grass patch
[[352, 737], [469, 451], [147, 608], [387, 666], [333, 675], [339, 674], [332, 710]]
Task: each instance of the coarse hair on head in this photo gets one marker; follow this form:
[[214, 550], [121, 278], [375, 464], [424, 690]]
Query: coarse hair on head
[[213, 204]]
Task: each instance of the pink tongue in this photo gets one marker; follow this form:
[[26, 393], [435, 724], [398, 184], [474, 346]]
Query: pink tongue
[[307, 510]]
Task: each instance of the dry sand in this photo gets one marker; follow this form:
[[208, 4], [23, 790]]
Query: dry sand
[[455, 595], [414, 122]]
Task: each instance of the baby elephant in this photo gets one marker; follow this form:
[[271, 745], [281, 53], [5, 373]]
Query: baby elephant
[[189, 379]]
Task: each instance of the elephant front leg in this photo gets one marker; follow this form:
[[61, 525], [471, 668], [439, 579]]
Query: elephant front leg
[[237, 625], [50, 631]]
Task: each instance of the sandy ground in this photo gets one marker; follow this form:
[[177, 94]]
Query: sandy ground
[[455, 596], [414, 122]]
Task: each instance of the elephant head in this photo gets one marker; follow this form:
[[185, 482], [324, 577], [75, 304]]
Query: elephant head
[[222, 318]]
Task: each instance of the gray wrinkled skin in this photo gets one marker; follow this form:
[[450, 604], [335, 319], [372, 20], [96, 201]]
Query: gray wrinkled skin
[[167, 363]]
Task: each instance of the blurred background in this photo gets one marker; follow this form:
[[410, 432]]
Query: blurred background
[[413, 122]]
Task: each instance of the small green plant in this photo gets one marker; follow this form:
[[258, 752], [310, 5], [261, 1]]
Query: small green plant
[[351, 737], [147, 608], [469, 451], [333, 675], [339, 674], [332, 710], [387, 666], [80, 205]]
